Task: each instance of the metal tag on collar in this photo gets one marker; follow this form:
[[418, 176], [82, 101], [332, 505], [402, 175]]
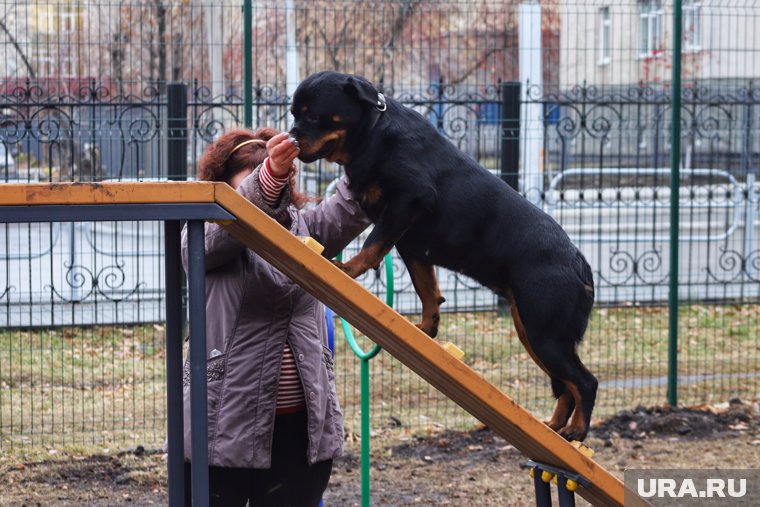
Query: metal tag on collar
[[381, 106]]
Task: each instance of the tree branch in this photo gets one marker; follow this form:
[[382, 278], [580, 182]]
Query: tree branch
[[399, 24], [473, 67], [16, 46]]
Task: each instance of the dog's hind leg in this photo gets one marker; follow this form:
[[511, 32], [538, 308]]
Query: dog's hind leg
[[520, 328], [565, 399], [579, 394], [583, 390], [565, 405], [426, 284], [573, 385]]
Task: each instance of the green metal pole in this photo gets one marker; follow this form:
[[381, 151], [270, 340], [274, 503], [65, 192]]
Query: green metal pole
[[675, 186], [365, 358], [365, 430], [248, 63]]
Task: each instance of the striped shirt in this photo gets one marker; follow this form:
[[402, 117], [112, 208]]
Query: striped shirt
[[290, 396], [271, 185]]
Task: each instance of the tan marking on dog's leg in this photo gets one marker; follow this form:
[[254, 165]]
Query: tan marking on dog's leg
[[426, 284], [565, 405], [524, 336], [368, 258], [578, 428]]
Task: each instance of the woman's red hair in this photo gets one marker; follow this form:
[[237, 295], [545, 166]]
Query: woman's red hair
[[219, 163]]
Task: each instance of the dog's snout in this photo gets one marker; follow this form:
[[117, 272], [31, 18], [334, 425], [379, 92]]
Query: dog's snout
[[294, 132]]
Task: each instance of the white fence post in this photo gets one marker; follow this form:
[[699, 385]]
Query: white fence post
[[531, 128]]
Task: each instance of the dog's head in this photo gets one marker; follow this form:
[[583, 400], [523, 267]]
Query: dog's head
[[329, 110]]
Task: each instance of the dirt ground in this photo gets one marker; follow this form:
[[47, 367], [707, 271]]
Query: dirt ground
[[473, 468]]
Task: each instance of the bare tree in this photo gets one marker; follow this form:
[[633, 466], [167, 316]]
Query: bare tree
[[413, 41], [17, 48]]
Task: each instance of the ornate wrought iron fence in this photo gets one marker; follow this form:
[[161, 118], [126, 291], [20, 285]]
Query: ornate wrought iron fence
[[608, 183]]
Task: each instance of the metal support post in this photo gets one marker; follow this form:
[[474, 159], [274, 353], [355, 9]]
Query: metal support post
[[543, 491], [173, 280], [248, 63], [177, 131], [198, 404], [567, 483], [510, 133], [565, 497], [751, 200], [675, 190]]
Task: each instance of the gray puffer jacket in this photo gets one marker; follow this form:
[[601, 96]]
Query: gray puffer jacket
[[251, 310]]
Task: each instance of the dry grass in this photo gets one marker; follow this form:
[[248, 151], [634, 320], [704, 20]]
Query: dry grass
[[627, 348], [95, 388]]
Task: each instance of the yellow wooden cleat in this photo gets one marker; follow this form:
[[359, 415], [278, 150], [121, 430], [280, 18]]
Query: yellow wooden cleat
[[571, 485], [312, 243], [453, 350], [547, 476], [532, 473], [583, 448]]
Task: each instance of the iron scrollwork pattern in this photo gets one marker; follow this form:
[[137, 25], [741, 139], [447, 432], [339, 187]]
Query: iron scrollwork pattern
[[107, 282], [607, 175], [81, 130]]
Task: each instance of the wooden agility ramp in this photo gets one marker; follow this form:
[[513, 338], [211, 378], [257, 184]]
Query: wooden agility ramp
[[362, 309]]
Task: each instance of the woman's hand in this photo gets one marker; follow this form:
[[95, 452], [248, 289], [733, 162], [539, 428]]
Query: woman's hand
[[282, 150]]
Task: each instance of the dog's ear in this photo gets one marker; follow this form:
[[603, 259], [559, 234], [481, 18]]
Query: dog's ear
[[364, 91]]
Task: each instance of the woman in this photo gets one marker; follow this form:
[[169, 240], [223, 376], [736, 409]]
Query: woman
[[274, 422]]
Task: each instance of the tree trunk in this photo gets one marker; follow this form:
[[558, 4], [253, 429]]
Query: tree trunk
[[162, 56]]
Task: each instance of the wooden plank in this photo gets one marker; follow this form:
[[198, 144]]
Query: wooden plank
[[416, 350], [105, 193]]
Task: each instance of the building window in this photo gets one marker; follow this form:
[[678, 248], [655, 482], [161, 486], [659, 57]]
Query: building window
[[46, 22], [54, 29], [650, 28], [692, 25], [59, 19], [604, 36]]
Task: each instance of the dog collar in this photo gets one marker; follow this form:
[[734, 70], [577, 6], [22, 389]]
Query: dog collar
[[380, 107]]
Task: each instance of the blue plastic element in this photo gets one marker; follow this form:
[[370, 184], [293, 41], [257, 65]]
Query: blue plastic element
[[329, 314]]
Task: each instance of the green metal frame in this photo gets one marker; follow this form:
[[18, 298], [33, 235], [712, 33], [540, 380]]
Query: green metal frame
[[248, 63], [365, 358], [675, 187]]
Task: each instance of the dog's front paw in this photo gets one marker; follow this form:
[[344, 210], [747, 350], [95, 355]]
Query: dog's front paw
[[431, 331], [430, 321], [351, 269]]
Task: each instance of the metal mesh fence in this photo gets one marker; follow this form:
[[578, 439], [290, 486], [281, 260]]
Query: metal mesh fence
[[569, 101]]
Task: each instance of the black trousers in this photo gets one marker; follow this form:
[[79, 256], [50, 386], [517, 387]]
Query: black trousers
[[289, 482]]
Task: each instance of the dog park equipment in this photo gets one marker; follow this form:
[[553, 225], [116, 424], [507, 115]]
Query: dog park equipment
[[567, 482], [198, 201], [453, 350], [312, 243], [170, 203]]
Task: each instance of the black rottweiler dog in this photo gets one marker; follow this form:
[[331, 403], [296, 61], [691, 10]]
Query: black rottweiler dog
[[439, 207]]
